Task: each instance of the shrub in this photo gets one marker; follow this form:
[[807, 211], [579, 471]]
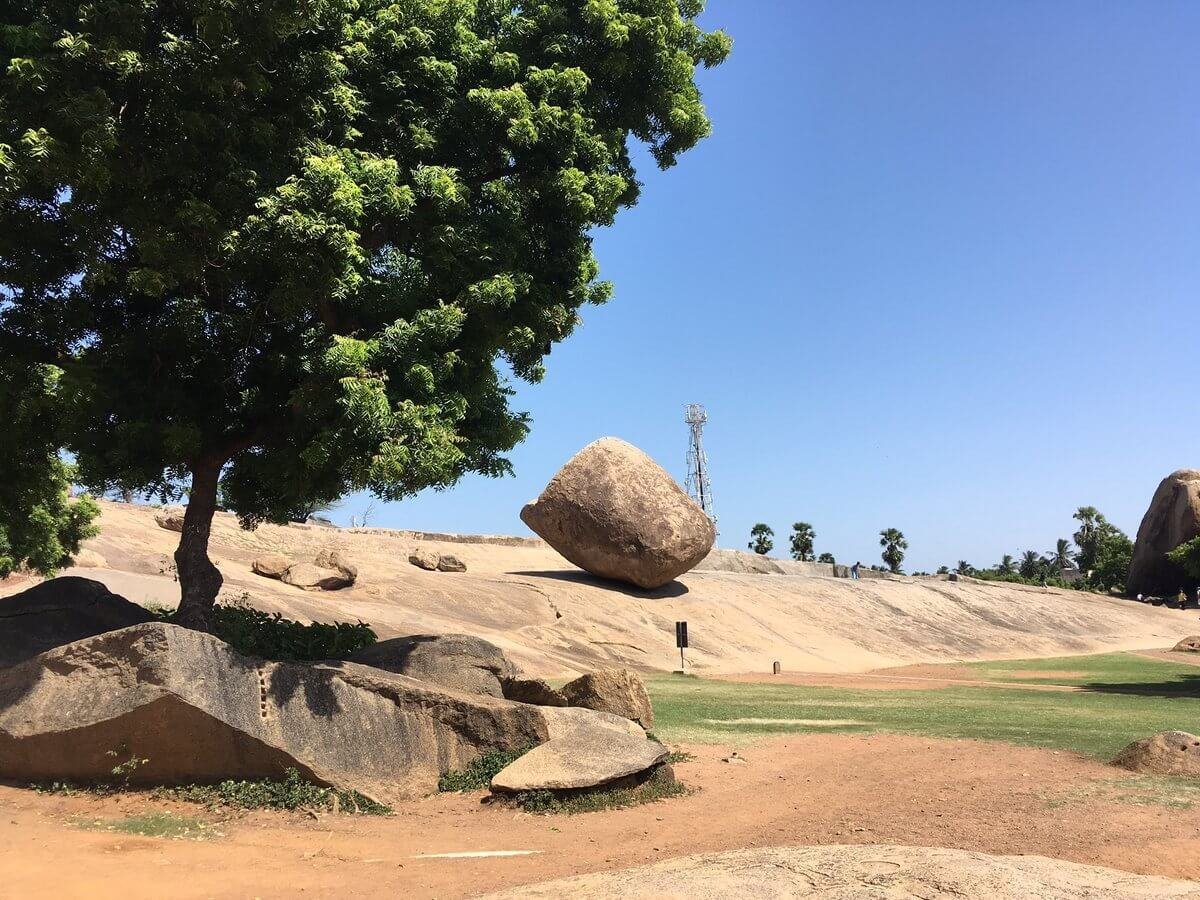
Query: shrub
[[1187, 557], [478, 775], [549, 802], [293, 792]]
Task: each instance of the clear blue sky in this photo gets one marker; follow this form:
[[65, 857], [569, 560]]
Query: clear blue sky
[[936, 269]]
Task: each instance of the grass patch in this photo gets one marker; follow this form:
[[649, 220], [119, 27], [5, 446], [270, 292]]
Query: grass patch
[[156, 824], [1125, 697], [550, 803], [479, 774], [1138, 790], [291, 793]]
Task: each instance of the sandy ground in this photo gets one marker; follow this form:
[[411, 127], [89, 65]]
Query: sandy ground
[[793, 790], [555, 620]]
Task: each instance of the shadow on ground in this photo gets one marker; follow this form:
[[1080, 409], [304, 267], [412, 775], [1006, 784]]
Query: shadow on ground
[[674, 589]]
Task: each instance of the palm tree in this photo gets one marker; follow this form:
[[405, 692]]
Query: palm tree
[[1061, 556], [760, 539], [1005, 566], [802, 541], [964, 567], [894, 544], [1031, 563]]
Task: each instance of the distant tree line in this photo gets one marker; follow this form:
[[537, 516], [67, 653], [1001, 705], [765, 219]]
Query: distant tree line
[[803, 538]]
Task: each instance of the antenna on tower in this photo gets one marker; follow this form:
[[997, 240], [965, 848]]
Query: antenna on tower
[[699, 488]]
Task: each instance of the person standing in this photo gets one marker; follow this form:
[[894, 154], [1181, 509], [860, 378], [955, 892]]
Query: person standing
[[854, 571]]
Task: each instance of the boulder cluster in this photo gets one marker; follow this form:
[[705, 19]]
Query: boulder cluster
[[330, 571], [614, 512], [84, 674], [432, 561]]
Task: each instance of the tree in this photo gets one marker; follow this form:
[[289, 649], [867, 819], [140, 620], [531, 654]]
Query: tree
[[1006, 566], [964, 568], [283, 248], [1091, 524], [761, 539], [1030, 565], [943, 570], [41, 527], [1061, 556], [1113, 555], [802, 541], [893, 543], [1187, 557], [826, 558]]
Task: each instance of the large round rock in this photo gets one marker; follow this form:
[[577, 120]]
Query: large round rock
[[615, 512], [1172, 519]]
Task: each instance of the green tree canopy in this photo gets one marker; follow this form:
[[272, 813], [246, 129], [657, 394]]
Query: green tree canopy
[[802, 542], [827, 557], [761, 539], [894, 544], [283, 246]]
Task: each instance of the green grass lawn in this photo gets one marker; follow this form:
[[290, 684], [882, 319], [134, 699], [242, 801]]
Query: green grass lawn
[[1125, 697]]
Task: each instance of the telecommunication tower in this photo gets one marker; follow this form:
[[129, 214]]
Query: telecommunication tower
[[699, 488]]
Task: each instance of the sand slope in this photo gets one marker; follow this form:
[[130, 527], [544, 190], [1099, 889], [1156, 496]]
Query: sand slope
[[554, 619]]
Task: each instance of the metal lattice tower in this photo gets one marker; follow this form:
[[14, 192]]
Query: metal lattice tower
[[699, 487]]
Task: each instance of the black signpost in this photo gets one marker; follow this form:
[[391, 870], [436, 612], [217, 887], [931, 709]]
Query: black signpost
[[681, 641]]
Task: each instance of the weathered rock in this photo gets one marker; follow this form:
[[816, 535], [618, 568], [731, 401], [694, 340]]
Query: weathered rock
[[868, 872], [450, 563], [617, 691], [170, 518], [331, 558], [271, 565], [581, 753], [60, 611], [424, 559], [198, 711], [1172, 519], [615, 512], [456, 661], [1166, 753], [532, 690], [89, 559], [1188, 645], [314, 578]]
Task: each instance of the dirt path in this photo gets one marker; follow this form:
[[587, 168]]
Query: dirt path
[[795, 790]]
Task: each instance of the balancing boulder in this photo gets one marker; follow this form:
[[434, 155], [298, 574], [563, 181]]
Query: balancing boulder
[[616, 513]]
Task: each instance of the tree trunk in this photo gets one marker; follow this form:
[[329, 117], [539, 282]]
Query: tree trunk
[[199, 579]]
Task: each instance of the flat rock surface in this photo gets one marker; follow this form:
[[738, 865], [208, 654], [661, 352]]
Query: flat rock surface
[[584, 758], [862, 873], [460, 662]]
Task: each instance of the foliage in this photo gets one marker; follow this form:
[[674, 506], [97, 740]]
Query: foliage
[[155, 824], [548, 802], [271, 636], [894, 544], [290, 245], [943, 570], [964, 568], [826, 558], [479, 774], [802, 542], [41, 528], [1112, 555], [1187, 557], [1006, 566], [1061, 556], [293, 792], [761, 539]]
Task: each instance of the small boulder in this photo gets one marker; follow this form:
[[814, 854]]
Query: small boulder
[[313, 578], [331, 558], [456, 661], [532, 690], [617, 691], [449, 563], [1188, 645], [615, 512], [170, 518], [271, 565], [583, 758], [60, 611], [424, 559], [89, 559], [1166, 753]]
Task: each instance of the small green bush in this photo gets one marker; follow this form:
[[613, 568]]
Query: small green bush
[[293, 792], [479, 774], [548, 802]]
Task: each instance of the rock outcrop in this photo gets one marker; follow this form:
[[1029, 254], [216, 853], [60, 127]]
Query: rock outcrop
[[456, 661], [424, 559], [617, 691], [447, 562], [1172, 519], [170, 518], [615, 512], [1188, 645], [89, 559], [1166, 753], [60, 611], [314, 578], [868, 872], [532, 690], [583, 752], [199, 712], [271, 565], [331, 558]]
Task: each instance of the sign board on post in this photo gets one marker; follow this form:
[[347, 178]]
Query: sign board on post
[[681, 640]]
